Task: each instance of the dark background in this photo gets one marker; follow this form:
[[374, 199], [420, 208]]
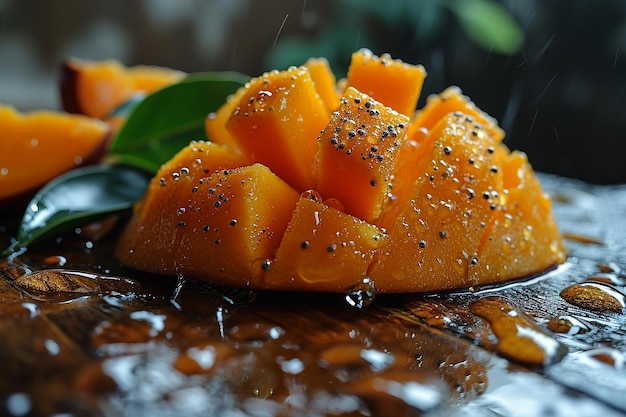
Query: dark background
[[552, 72]]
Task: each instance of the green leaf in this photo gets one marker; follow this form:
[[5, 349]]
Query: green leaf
[[489, 24], [167, 120], [78, 197]]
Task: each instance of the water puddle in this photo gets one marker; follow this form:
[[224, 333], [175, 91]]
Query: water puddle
[[595, 295], [60, 285], [518, 337]]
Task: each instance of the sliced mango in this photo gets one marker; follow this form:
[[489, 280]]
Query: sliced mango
[[215, 123], [96, 88], [323, 249], [35, 147], [437, 107], [325, 81], [277, 121], [356, 154], [223, 226], [150, 240], [394, 83], [435, 233], [448, 101], [523, 231], [325, 199]]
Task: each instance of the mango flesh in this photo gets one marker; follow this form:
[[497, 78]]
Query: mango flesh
[[277, 121], [215, 123], [150, 240], [27, 140], [392, 82], [97, 88], [356, 154], [325, 82], [248, 212], [225, 223], [439, 235], [323, 249], [416, 145], [450, 100], [326, 200], [524, 232]]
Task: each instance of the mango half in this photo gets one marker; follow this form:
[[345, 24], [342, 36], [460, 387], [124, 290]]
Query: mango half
[[292, 194]]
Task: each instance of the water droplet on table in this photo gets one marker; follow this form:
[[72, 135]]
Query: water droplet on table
[[59, 285], [519, 338], [596, 296], [361, 294]]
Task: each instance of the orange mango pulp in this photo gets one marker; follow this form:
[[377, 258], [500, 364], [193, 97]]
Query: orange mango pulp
[[96, 88], [437, 107], [434, 235], [390, 81], [356, 154], [214, 214], [449, 101], [525, 231], [241, 224], [321, 76], [28, 140], [277, 121], [215, 123], [324, 80], [469, 215], [323, 249]]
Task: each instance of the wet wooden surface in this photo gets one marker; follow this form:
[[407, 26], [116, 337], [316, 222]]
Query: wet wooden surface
[[82, 337]]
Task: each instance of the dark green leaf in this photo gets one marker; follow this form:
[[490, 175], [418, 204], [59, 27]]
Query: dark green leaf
[[167, 120], [489, 24], [78, 197]]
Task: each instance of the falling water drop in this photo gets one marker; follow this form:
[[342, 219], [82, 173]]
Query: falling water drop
[[18, 404], [55, 261]]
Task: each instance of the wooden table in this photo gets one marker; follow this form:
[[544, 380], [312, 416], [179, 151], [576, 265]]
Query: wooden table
[[81, 336]]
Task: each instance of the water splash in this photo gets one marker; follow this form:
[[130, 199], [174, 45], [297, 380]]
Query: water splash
[[197, 294]]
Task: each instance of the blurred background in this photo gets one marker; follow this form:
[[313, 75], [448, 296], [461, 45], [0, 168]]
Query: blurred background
[[552, 72]]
